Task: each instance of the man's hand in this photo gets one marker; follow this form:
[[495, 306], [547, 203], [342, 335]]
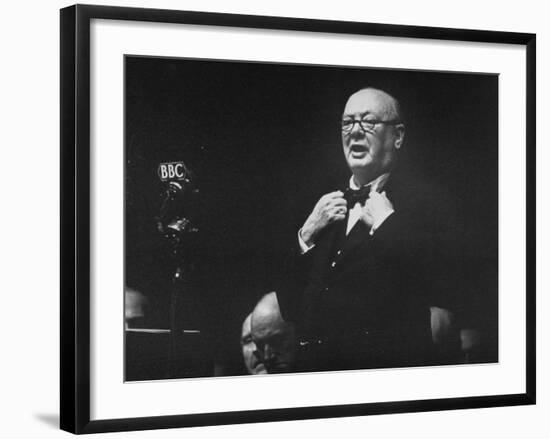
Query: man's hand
[[330, 208], [376, 209]]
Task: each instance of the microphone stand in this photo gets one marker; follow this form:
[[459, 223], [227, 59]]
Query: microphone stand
[[177, 234]]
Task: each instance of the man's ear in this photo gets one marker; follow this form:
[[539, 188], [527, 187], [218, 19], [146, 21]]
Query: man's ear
[[400, 128]]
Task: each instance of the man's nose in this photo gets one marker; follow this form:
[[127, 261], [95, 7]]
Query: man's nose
[[268, 352], [356, 129]]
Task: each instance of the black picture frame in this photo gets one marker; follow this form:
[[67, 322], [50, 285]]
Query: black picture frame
[[75, 217]]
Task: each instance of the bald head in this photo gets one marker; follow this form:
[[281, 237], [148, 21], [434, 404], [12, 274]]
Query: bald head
[[274, 338], [267, 314], [387, 105]]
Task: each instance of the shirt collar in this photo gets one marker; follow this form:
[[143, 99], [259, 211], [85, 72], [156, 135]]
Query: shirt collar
[[376, 184]]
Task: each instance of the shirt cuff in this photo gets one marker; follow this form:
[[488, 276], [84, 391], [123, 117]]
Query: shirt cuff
[[378, 223], [304, 248]]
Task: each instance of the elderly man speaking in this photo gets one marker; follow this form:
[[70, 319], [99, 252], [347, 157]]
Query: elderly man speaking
[[371, 258]]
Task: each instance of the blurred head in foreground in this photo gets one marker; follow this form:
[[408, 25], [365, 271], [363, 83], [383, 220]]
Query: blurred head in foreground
[[272, 336], [135, 307]]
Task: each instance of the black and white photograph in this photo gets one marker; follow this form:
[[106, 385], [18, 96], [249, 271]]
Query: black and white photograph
[[267, 219], [275, 219], [292, 218]]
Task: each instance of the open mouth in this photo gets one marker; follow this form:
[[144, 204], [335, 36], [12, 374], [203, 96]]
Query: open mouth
[[358, 150]]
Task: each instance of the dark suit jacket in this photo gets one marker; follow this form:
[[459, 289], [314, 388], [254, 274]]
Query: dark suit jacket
[[362, 301]]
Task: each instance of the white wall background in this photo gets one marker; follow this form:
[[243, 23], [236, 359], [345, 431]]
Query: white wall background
[[29, 237]]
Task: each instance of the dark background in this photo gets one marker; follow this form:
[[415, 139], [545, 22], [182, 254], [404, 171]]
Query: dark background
[[264, 142]]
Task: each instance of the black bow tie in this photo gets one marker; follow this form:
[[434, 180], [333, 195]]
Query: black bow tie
[[354, 196]]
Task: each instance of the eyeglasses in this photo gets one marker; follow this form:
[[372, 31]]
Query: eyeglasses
[[366, 125]]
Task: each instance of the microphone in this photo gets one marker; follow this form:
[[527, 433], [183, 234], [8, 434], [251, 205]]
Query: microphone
[[177, 199]]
